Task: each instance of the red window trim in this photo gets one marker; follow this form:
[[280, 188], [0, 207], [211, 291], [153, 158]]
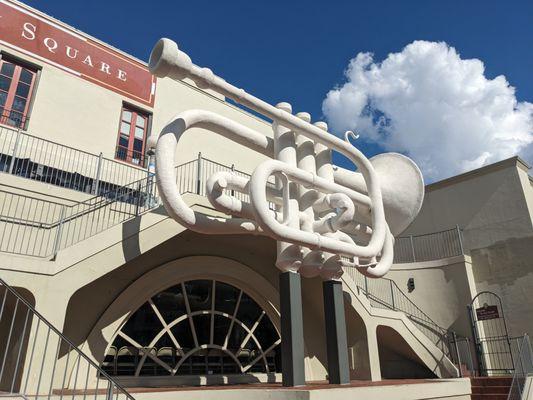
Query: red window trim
[[136, 113], [12, 90]]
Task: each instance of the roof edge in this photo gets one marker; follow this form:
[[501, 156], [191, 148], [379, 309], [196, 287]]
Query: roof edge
[[515, 161]]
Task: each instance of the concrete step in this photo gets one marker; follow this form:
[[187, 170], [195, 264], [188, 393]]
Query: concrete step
[[488, 397], [490, 389], [492, 381]]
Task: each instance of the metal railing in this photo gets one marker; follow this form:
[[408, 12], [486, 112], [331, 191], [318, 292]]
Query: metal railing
[[45, 161], [37, 361], [523, 365], [37, 220], [41, 228], [432, 246]]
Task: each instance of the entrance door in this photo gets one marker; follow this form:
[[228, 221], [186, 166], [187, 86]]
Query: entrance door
[[493, 346]]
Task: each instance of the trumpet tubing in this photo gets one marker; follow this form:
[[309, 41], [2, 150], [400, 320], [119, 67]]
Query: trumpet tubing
[[321, 212]]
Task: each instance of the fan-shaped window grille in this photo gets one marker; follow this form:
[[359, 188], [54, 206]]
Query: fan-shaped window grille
[[198, 327]]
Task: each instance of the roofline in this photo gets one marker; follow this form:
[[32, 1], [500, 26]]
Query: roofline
[[515, 161], [127, 55]]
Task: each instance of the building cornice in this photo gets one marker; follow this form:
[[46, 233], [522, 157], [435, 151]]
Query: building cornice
[[500, 165]]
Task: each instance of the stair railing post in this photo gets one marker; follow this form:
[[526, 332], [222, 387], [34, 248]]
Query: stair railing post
[[138, 200], [454, 336], [199, 173], [98, 174], [14, 153], [232, 171], [366, 286], [57, 240], [109, 392], [412, 248], [460, 236], [392, 294]]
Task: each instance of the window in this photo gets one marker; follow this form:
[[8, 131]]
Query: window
[[16, 85], [199, 327], [132, 136]]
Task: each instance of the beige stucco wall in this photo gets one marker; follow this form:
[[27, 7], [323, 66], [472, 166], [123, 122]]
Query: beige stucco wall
[[493, 206], [443, 289]]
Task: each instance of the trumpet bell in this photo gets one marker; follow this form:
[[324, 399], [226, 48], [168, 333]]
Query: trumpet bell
[[402, 189]]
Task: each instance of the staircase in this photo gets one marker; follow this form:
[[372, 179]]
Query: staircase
[[38, 361], [384, 293], [490, 388]]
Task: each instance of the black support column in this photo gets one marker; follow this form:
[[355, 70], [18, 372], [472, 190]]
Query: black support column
[[338, 368], [292, 333]]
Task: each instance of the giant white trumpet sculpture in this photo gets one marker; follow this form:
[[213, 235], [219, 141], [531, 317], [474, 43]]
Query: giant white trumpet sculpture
[[322, 213]]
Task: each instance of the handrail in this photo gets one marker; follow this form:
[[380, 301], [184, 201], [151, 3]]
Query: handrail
[[523, 362], [19, 325]]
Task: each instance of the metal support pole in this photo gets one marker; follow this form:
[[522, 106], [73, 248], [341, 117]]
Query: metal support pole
[[454, 336], [98, 173], [57, 241], [14, 154], [232, 171], [366, 286], [138, 201], [460, 236], [337, 344], [412, 247], [392, 294], [109, 392], [199, 173], [292, 344]]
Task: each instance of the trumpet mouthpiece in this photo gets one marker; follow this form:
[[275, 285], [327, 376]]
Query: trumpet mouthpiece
[[167, 60]]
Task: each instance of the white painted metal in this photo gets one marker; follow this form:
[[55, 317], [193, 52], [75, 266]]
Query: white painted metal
[[322, 212]]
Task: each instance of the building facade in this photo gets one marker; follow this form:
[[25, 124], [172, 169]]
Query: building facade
[[85, 240]]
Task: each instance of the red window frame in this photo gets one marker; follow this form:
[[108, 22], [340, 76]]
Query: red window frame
[[11, 96], [132, 134]]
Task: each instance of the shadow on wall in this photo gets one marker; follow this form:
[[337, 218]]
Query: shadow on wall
[[15, 326], [357, 343], [397, 359], [506, 268]]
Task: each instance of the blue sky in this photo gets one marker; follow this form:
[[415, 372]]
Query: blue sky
[[297, 51]]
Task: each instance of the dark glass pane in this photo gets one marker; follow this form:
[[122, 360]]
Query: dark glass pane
[[183, 334], [221, 327], [266, 333], [5, 83], [199, 294], [236, 337], [226, 297], [249, 311], [26, 76], [7, 69], [143, 325], [138, 145], [123, 142], [202, 324], [3, 98], [170, 303], [19, 103], [23, 90]]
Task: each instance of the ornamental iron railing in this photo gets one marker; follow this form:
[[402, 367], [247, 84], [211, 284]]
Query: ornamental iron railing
[[38, 362]]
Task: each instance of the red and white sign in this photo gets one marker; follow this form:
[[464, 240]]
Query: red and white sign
[[42, 38]]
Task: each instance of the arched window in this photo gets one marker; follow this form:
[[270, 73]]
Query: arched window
[[198, 327]]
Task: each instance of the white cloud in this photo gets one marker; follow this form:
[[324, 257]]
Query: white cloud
[[429, 103]]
